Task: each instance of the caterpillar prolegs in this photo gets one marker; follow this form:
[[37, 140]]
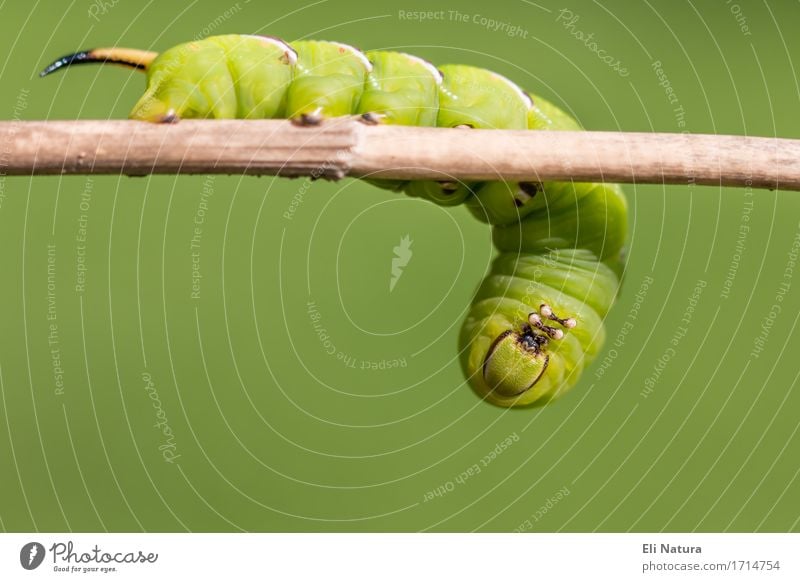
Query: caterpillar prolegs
[[537, 318]]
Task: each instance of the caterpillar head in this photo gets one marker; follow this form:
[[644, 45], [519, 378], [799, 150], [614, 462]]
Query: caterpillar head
[[518, 360]]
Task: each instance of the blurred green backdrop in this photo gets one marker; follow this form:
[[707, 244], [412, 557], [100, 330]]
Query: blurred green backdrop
[[263, 377]]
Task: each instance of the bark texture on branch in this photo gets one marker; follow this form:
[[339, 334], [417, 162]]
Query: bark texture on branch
[[345, 147]]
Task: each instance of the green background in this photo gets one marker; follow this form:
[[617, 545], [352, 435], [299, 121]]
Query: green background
[[274, 433]]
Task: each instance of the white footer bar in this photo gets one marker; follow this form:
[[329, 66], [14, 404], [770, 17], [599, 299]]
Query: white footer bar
[[389, 557]]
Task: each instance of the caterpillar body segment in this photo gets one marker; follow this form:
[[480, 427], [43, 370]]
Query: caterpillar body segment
[[220, 77], [536, 320], [401, 89]]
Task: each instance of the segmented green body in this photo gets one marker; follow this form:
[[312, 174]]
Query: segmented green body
[[560, 243]]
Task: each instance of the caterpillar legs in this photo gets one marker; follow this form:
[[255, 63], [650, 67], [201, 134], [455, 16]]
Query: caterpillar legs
[[310, 119], [371, 118], [315, 118], [535, 320], [170, 116], [525, 192]]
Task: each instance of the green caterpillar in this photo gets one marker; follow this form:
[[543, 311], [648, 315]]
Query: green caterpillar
[[537, 318]]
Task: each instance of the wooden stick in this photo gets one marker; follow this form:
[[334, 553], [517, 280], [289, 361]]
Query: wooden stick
[[345, 147]]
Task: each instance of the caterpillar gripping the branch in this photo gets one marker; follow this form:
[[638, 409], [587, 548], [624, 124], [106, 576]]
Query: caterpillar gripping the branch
[[536, 320]]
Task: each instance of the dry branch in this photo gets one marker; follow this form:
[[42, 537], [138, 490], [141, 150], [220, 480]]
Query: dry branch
[[345, 147]]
